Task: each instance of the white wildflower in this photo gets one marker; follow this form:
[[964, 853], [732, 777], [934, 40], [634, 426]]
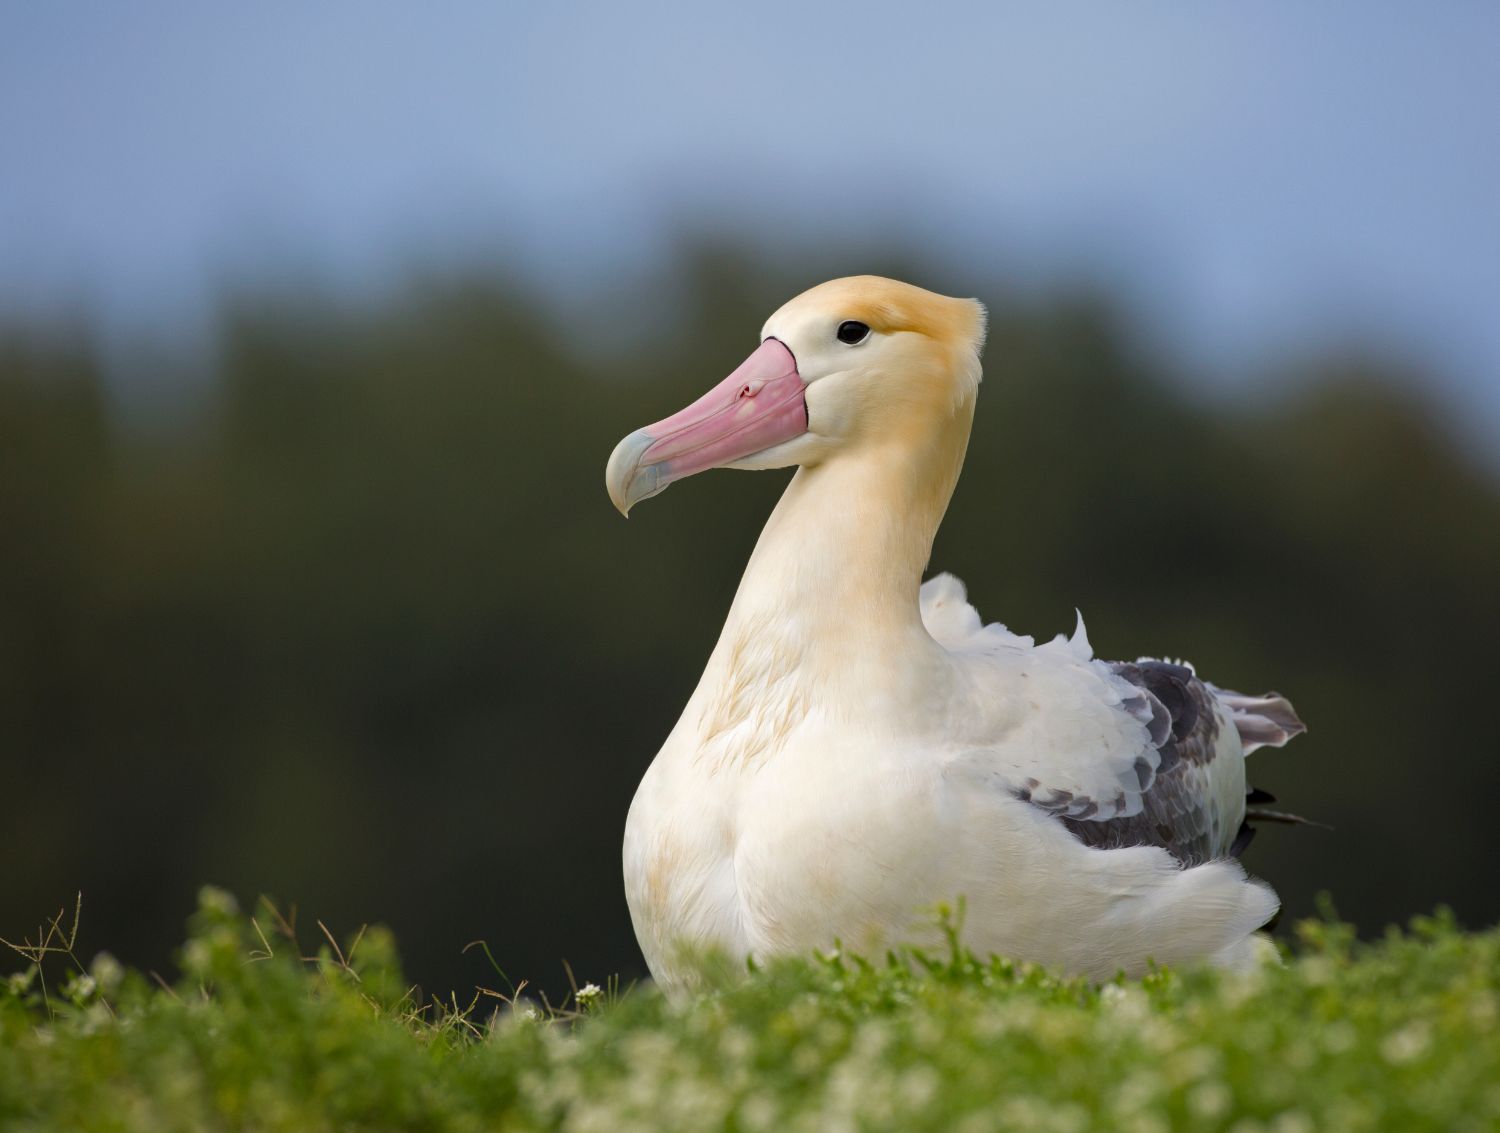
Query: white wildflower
[[107, 972], [1339, 1037], [1209, 1101], [524, 1010], [918, 1086], [1483, 1010], [1406, 1045]]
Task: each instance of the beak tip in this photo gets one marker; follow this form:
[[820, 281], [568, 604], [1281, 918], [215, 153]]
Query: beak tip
[[622, 503], [623, 474]]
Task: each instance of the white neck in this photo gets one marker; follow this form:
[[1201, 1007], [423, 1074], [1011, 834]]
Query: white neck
[[829, 598]]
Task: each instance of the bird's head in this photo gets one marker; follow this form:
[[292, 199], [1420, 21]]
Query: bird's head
[[850, 363]]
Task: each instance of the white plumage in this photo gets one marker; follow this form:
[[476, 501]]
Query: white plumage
[[859, 750]]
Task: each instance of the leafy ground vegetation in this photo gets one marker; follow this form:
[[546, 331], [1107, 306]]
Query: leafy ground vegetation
[[1402, 1033]]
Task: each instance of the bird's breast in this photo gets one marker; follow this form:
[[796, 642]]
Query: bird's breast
[[829, 838]]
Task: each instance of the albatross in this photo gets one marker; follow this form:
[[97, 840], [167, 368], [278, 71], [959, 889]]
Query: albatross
[[861, 747]]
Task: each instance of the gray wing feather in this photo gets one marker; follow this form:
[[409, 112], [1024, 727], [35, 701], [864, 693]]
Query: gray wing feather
[[1179, 810], [1262, 721]]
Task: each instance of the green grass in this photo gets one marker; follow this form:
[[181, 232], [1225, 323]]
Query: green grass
[[1402, 1033]]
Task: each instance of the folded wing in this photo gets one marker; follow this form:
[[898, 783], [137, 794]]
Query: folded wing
[[1124, 753]]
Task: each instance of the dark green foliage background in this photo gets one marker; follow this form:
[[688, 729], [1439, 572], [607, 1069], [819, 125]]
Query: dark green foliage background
[[355, 624]]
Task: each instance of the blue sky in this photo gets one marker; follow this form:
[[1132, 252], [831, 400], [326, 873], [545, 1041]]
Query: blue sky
[[1255, 180]]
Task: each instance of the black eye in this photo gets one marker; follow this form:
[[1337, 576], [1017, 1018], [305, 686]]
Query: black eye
[[853, 333]]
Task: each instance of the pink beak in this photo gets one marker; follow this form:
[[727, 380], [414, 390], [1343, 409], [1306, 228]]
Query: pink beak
[[756, 407]]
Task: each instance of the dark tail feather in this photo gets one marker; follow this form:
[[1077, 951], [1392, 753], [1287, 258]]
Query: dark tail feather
[[1253, 814], [1260, 814], [1262, 721]]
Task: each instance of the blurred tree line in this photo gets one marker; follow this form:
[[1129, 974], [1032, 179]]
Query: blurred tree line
[[362, 631]]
